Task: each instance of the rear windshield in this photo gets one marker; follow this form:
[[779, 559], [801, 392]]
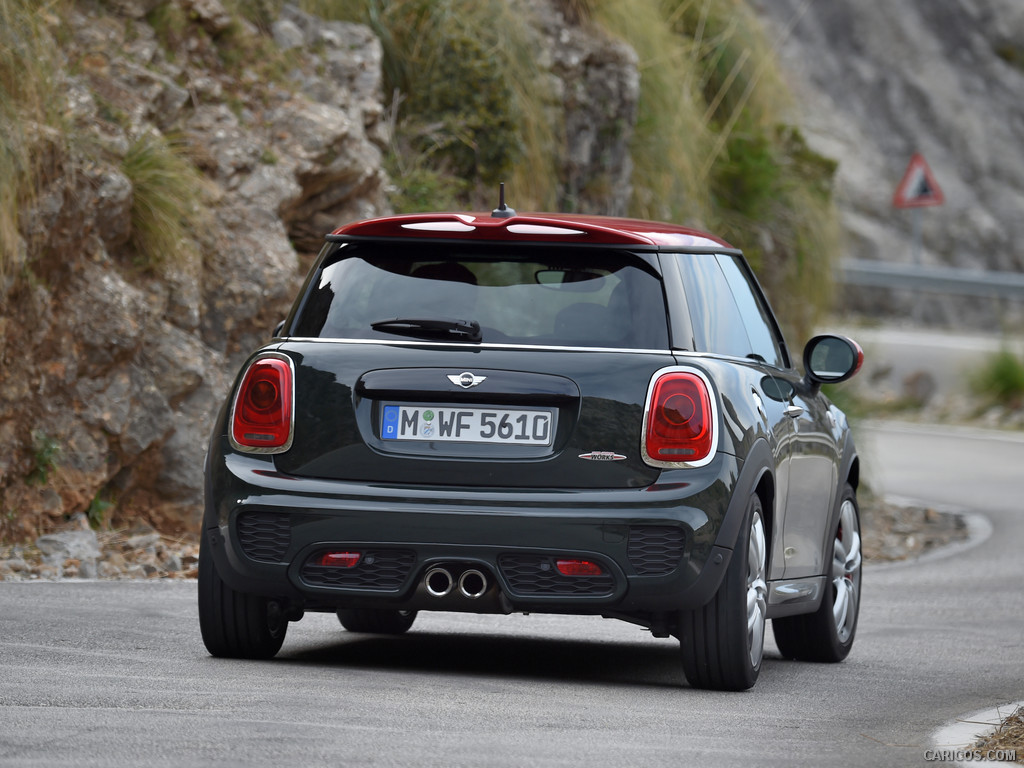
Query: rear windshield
[[556, 296]]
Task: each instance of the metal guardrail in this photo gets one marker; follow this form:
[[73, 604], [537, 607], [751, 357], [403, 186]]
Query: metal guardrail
[[967, 282]]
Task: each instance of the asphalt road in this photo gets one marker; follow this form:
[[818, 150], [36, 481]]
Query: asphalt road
[[96, 674]]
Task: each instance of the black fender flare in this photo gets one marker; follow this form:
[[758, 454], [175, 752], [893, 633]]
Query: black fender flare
[[753, 469], [758, 463]]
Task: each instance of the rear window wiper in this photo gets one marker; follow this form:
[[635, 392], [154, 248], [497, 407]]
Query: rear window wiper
[[463, 330]]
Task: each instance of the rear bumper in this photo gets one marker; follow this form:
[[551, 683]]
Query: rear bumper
[[658, 547]]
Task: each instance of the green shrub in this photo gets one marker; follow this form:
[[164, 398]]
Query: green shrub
[[45, 452], [1001, 379], [96, 514]]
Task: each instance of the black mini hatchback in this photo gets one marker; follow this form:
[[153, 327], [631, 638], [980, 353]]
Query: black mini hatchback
[[536, 413]]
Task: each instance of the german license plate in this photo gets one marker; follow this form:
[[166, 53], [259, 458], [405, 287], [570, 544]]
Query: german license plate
[[467, 425]]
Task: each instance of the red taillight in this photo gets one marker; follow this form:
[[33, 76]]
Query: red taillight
[[340, 559], [680, 426], [262, 417], [578, 568]]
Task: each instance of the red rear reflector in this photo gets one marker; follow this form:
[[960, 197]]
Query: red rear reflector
[[578, 568], [262, 415], [340, 559], [680, 423]]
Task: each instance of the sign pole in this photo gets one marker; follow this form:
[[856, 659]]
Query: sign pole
[[915, 236]]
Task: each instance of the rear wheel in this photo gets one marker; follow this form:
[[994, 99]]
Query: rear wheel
[[376, 621], [827, 634], [235, 624], [722, 642]]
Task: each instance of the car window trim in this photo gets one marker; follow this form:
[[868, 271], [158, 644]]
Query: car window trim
[[755, 284], [764, 312], [680, 325]]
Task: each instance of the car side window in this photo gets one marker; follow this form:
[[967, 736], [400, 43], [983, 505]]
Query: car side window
[[756, 316], [717, 322]]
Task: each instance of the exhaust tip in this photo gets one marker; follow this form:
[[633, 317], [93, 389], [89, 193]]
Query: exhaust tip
[[472, 583], [438, 581]]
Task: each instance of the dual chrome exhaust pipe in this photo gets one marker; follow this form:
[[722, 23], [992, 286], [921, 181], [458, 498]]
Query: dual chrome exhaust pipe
[[440, 582]]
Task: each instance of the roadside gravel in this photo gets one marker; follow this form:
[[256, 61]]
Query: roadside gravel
[[77, 552]]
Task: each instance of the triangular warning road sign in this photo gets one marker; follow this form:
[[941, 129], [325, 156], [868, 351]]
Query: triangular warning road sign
[[918, 187]]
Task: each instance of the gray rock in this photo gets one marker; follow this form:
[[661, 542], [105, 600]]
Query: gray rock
[[183, 453], [270, 189], [595, 81], [177, 361], [232, 149], [114, 312], [106, 402], [287, 34], [211, 14], [58, 547], [113, 206], [150, 418]]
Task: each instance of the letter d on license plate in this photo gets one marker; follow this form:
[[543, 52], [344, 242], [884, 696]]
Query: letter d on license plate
[[467, 425]]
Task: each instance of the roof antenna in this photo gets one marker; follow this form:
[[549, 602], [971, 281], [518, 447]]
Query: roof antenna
[[502, 211]]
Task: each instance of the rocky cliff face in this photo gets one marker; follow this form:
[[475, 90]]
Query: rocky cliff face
[[112, 370], [878, 81], [111, 373]]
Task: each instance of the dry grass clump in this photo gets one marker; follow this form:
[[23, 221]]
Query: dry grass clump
[[30, 102], [1009, 736], [167, 204]]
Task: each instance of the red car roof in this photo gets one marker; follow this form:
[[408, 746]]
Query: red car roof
[[534, 227]]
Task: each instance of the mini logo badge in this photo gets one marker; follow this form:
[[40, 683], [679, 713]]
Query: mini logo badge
[[602, 456], [466, 380]]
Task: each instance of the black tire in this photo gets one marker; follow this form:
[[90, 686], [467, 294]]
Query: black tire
[[827, 634], [722, 643], [376, 621], [235, 624]]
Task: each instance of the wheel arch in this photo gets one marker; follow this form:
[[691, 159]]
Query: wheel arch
[[849, 474], [766, 492], [853, 472], [756, 476]]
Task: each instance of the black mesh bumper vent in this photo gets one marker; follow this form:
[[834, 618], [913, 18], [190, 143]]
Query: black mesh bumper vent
[[383, 570], [537, 575], [264, 536], [655, 550]]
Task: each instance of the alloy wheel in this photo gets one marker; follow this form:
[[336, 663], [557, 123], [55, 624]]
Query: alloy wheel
[[757, 588], [846, 568]]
